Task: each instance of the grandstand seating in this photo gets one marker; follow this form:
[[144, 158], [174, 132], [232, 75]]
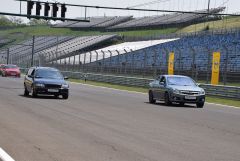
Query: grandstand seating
[[127, 22], [23, 51], [164, 20], [189, 51], [114, 50], [4, 41], [73, 46], [95, 23]]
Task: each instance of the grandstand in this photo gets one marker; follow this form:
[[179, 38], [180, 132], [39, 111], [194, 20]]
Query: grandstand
[[111, 51], [74, 46], [169, 20], [4, 41], [129, 23], [95, 23], [23, 51], [193, 56]]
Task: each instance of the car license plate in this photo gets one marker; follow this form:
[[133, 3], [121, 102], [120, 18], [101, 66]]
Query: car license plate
[[190, 97], [52, 90], [13, 74]]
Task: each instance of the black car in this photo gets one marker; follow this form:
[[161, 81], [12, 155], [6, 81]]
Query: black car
[[46, 81]]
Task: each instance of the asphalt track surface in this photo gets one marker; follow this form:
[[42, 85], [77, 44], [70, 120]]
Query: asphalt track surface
[[99, 124]]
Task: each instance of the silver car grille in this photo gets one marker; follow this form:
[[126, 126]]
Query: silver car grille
[[190, 92]]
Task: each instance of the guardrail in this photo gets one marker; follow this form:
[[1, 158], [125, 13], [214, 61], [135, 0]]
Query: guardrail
[[219, 90], [222, 91]]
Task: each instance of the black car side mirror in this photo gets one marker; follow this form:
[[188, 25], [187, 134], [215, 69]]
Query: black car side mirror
[[65, 78]]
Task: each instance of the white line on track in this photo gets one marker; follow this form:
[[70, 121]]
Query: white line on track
[[144, 93], [4, 156]]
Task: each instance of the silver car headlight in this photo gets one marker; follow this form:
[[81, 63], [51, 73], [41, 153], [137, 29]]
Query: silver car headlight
[[176, 91], [40, 85], [65, 86], [202, 92]]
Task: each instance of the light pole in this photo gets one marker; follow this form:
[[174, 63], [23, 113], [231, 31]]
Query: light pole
[[209, 1]]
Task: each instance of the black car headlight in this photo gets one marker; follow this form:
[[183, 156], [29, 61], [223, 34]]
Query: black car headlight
[[65, 86], [39, 85]]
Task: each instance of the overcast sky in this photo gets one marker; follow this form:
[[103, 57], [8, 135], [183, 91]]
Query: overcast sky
[[233, 6]]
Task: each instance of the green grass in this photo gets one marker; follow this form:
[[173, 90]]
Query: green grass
[[209, 99], [226, 23], [223, 101], [148, 32], [46, 30]]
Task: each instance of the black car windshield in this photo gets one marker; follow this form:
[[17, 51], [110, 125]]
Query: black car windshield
[[180, 81], [10, 66], [50, 74]]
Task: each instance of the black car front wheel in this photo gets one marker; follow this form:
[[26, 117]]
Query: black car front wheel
[[34, 93], [200, 105], [151, 99], [65, 96], [182, 103], [26, 93]]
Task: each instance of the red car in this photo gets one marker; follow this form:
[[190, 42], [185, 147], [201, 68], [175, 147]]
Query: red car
[[11, 70]]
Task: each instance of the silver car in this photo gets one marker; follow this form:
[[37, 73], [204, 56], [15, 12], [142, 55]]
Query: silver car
[[176, 88]]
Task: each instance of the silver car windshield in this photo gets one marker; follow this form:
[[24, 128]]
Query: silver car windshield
[[180, 81]]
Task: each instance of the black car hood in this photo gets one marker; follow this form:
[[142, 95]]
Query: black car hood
[[50, 81]]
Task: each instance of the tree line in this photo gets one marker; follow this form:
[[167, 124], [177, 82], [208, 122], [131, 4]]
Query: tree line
[[12, 21]]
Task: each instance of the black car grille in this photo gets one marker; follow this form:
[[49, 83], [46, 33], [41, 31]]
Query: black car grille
[[190, 92], [53, 86]]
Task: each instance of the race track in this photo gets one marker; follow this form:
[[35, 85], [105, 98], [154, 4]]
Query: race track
[[99, 124]]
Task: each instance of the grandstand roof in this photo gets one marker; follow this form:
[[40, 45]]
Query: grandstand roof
[[117, 49], [137, 45]]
